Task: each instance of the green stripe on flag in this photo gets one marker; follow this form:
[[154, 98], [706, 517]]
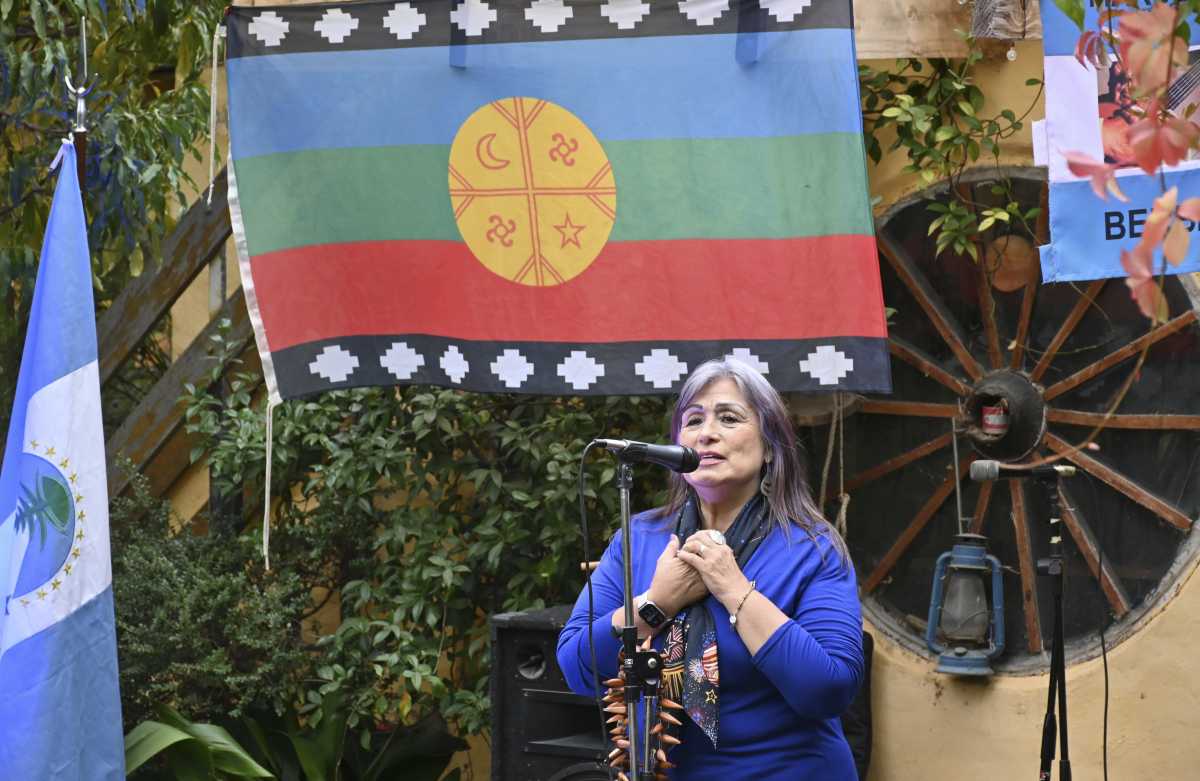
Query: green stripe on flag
[[741, 188]]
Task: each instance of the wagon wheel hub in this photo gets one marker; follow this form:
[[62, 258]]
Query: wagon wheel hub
[[1005, 415]]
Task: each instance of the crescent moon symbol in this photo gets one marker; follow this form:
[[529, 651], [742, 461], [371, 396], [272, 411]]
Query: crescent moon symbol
[[483, 151]]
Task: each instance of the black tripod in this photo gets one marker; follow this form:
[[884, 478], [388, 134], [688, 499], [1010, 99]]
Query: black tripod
[[1052, 567]]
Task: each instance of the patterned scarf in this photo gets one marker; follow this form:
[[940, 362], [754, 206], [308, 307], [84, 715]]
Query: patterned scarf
[[690, 666]]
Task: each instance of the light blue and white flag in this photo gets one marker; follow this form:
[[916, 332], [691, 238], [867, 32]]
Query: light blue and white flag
[[60, 708]]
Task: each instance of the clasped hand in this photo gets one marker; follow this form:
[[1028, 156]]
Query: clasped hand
[[685, 574]]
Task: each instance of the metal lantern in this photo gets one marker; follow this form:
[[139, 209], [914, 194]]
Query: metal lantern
[[966, 629]]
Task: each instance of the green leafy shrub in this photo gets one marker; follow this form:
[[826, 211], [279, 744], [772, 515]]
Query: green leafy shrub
[[426, 510], [200, 627]]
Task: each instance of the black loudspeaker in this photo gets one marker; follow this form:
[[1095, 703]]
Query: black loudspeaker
[[541, 731]]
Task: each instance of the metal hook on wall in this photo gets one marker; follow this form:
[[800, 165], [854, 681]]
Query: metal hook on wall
[[79, 93]]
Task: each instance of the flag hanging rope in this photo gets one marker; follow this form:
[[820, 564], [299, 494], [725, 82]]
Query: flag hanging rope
[[218, 34]]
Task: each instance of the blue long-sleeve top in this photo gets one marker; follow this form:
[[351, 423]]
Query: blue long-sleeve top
[[779, 709]]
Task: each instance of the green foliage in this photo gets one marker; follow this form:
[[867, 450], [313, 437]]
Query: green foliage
[[932, 110], [1073, 9], [426, 510], [194, 751], [146, 110], [200, 627]]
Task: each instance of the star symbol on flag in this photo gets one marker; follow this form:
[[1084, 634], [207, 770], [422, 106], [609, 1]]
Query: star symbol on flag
[[54, 584], [74, 476], [75, 553], [50, 451], [82, 515], [41, 594], [67, 568], [79, 535], [33, 443], [710, 696], [573, 229], [66, 462], [78, 498]]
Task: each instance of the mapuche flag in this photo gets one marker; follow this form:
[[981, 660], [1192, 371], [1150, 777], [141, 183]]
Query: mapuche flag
[[552, 197]]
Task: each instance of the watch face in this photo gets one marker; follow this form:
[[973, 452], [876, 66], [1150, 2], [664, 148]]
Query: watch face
[[651, 614]]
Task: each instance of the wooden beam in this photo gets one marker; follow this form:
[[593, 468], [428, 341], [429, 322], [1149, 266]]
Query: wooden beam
[[1086, 299], [892, 464], [911, 409], [1085, 540], [1160, 507], [1028, 567], [1122, 354], [154, 423], [931, 506], [195, 241], [886, 29], [929, 301], [1072, 417], [981, 506], [925, 364], [1018, 352]]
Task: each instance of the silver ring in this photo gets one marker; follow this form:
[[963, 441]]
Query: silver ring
[[702, 549], [716, 536]]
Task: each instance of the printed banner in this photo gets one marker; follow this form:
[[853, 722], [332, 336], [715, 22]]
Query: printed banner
[[554, 198], [1084, 110]]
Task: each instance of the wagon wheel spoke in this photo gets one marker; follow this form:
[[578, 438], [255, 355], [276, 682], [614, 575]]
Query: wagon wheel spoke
[[925, 364], [931, 506], [900, 461], [1163, 509], [941, 318], [1122, 354], [1085, 541], [987, 313], [1033, 628], [981, 507], [1086, 299], [1073, 417], [1022, 337], [910, 409]]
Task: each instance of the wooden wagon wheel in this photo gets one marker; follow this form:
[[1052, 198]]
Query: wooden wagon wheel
[[1127, 515]]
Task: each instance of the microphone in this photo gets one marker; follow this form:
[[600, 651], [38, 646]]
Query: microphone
[[994, 470], [677, 458]]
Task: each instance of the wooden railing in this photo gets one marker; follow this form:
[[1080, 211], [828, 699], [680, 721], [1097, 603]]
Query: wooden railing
[[152, 434]]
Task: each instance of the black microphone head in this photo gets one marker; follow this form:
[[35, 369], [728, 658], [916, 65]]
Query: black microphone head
[[690, 461], [985, 470]]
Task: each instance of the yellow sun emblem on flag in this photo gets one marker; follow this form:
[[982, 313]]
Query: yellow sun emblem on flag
[[532, 190]]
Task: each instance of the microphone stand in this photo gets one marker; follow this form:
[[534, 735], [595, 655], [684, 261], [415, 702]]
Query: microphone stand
[[642, 668], [1052, 567]]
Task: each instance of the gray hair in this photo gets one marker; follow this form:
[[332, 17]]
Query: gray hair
[[789, 497]]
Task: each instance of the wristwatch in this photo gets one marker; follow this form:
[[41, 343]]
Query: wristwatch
[[651, 613]]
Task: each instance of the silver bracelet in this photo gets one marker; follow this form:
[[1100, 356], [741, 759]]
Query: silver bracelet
[[734, 615]]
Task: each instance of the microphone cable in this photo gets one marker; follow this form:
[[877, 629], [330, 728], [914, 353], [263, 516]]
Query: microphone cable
[[587, 559]]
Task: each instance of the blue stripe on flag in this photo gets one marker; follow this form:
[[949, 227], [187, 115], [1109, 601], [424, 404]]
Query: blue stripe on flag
[[1059, 33], [1088, 233], [60, 718], [803, 82]]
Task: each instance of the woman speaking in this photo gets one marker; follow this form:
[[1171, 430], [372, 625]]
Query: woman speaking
[[748, 592]]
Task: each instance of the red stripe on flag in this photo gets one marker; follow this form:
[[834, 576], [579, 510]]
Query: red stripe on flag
[[635, 291]]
